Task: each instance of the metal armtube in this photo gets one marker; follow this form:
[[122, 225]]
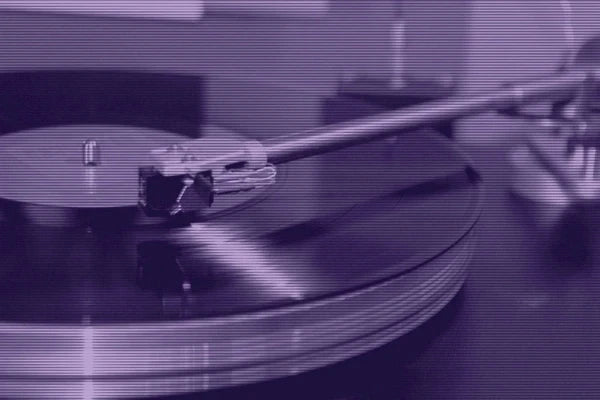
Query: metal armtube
[[329, 138]]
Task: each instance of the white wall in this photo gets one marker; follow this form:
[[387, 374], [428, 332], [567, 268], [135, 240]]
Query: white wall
[[436, 36], [308, 53]]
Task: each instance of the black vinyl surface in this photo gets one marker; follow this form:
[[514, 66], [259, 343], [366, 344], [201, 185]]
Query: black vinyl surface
[[320, 231]]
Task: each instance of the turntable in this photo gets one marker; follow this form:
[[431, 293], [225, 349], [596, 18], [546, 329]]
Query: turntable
[[337, 254], [150, 252]]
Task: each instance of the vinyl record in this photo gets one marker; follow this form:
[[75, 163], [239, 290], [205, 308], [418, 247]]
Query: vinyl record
[[348, 251]]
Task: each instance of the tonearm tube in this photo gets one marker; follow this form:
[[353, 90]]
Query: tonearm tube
[[186, 176]]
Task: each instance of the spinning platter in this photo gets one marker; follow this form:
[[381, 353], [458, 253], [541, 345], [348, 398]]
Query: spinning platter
[[330, 262]]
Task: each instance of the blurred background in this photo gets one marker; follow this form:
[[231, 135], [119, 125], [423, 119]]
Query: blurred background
[[260, 68], [308, 45]]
